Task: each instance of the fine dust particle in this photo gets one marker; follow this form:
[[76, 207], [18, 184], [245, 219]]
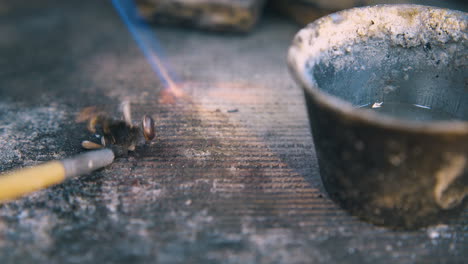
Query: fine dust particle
[[439, 231], [433, 234]]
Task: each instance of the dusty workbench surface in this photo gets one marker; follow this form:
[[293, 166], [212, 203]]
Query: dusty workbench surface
[[232, 177]]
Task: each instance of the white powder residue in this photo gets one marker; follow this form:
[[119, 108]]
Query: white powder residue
[[401, 26], [20, 128]]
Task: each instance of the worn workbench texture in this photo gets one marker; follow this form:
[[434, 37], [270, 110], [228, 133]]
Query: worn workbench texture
[[232, 177]]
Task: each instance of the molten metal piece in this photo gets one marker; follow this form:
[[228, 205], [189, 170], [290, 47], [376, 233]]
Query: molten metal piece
[[120, 135], [148, 127]]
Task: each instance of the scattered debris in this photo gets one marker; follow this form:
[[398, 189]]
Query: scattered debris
[[121, 135], [377, 105]]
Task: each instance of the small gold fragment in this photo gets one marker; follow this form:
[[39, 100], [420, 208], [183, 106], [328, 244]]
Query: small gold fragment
[[90, 145]]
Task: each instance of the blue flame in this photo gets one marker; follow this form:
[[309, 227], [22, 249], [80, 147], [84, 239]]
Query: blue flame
[[145, 38]]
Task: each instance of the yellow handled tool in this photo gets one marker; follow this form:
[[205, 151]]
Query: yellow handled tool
[[20, 182]]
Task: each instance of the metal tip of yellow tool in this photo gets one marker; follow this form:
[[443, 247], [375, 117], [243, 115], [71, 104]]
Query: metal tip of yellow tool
[[22, 181]]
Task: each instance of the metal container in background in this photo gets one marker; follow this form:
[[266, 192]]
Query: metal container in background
[[387, 94]]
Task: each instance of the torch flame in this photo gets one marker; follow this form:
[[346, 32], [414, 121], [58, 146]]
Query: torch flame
[[148, 43]]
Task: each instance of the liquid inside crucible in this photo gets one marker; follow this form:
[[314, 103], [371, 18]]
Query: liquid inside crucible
[[411, 112], [417, 83]]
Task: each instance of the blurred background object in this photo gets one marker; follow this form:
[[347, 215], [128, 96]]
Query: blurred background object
[[242, 15], [218, 15]]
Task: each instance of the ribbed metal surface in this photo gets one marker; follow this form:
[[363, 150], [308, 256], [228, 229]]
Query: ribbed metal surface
[[231, 178]]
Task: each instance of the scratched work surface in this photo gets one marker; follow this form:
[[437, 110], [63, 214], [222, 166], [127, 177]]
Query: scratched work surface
[[232, 177]]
